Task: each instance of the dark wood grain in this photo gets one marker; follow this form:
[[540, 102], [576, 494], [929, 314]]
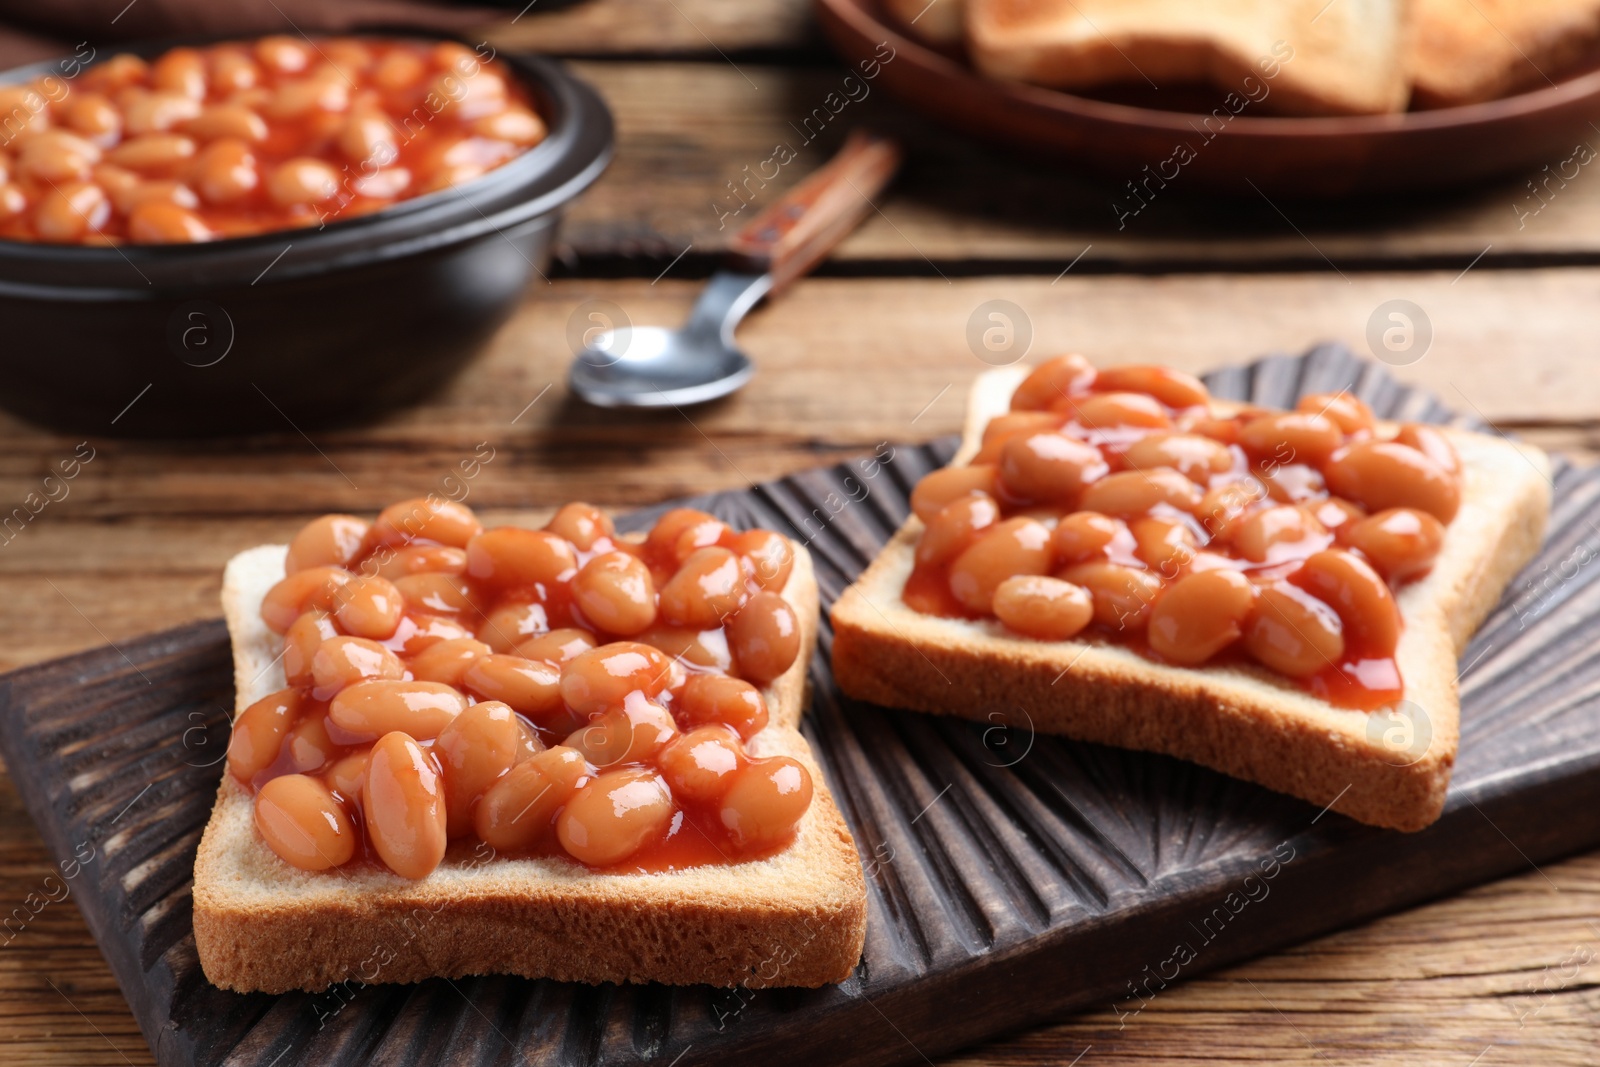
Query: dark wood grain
[[1063, 880]]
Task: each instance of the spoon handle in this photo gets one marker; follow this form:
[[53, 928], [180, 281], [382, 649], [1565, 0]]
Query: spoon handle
[[791, 236]]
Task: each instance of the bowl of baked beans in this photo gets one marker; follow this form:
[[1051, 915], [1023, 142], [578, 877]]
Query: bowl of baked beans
[[233, 236]]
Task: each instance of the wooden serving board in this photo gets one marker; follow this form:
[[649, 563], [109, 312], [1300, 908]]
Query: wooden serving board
[[1013, 877]]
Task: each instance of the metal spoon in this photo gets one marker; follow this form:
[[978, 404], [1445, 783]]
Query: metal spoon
[[652, 367]]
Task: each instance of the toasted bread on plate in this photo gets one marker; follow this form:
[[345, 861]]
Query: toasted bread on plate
[[797, 918], [1310, 57], [1466, 51], [936, 21], [1388, 768]]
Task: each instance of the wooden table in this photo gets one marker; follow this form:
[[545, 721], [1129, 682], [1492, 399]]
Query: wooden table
[[874, 349]]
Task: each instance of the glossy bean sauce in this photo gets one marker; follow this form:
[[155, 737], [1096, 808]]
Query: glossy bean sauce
[[240, 138], [1118, 506], [558, 692]]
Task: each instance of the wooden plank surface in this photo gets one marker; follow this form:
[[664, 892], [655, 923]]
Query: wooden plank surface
[[658, 27], [687, 129]]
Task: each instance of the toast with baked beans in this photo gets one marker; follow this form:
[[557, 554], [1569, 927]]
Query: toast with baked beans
[[561, 753], [1280, 596]]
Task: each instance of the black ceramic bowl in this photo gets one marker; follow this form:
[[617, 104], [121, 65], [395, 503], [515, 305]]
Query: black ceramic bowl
[[313, 327]]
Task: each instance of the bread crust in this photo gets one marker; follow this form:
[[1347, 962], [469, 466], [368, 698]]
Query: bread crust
[[1242, 721], [1466, 51], [795, 919], [1326, 59]]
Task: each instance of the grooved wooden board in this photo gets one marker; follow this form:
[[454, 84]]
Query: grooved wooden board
[[1012, 877]]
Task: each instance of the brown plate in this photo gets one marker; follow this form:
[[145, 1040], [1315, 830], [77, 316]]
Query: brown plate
[[1011, 877], [1279, 156]]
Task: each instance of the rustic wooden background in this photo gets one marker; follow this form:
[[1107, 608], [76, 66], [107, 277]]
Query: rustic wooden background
[[874, 349]]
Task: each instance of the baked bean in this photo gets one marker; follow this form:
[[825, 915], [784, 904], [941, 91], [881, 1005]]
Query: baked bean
[[1052, 380], [1015, 546], [226, 171], [941, 487], [1004, 427], [282, 53], [583, 525], [1173, 388], [717, 698], [699, 648], [764, 637], [616, 593], [13, 201], [1129, 494], [604, 677], [447, 661], [518, 810], [1043, 607], [631, 733], [331, 540], [157, 222], [1347, 412], [232, 70], [398, 70], [302, 181], [1196, 458], [426, 519], [478, 746], [67, 212], [1382, 474], [557, 646], [148, 113], [1293, 632], [1291, 437], [304, 823], [314, 587], [443, 593], [664, 536], [231, 121], [512, 622], [153, 153], [417, 634], [700, 764], [531, 687], [1225, 505], [1113, 410], [1045, 467], [1199, 615], [381, 706], [1293, 483], [708, 587], [182, 70], [368, 607], [129, 199], [531, 744], [510, 557], [1086, 535], [1431, 442], [770, 555], [259, 731], [1164, 546], [340, 661], [394, 563], [369, 137], [1336, 515], [403, 799], [765, 801], [516, 125], [1278, 534], [307, 746], [93, 116], [301, 642], [1366, 608], [614, 816], [348, 774], [1401, 543], [57, 156], [1122, 595], [955, 528]]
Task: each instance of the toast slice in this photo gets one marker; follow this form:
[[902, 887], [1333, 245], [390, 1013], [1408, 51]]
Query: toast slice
[[1286, 56], [794, 919], [1466, 51], [1390, 768]]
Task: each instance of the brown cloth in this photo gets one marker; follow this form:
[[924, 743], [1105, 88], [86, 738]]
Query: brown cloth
[[31, 30]]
